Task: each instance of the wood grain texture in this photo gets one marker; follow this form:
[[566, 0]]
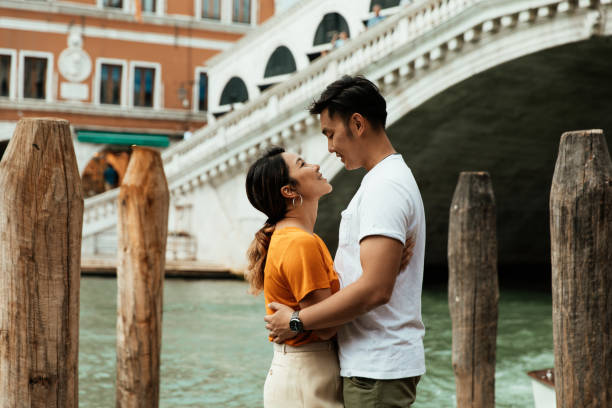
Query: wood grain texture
[[41, 218], [581, 245], [142, 232], [473, 291]]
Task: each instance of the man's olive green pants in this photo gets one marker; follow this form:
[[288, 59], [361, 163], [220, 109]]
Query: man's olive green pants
[[362, 392]]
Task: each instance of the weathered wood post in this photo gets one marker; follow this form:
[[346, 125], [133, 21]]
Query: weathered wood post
[[41, 220], [142, 231], [473, 291], [581, 244]]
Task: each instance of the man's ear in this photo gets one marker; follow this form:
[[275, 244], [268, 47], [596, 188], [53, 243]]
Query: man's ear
[[358, 121]]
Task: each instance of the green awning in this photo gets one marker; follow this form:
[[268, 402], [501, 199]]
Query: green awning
[[115, 138]]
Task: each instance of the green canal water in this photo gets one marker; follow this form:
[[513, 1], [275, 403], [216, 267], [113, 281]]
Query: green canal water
[[215, 352]]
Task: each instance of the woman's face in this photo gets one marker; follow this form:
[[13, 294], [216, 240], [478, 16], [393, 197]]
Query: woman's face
[[311, 183]]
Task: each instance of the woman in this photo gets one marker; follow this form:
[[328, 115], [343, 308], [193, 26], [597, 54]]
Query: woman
[[293, 266]]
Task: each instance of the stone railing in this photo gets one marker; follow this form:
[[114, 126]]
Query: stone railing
[[355, 56], [100, 212], [280, 113]]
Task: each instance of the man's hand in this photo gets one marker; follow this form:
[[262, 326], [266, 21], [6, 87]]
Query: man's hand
[[278, 322], [407, 252]]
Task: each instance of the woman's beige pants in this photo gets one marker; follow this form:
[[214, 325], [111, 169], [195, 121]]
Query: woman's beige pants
[[306, 376]]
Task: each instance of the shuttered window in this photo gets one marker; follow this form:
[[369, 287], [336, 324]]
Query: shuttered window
[[242, 11], [144, 86], [211, 9], [110, 84], [5, 75], [113, 3], [34, 78], [149, 5]]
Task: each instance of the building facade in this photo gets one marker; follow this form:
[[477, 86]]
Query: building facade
[[123, 72]]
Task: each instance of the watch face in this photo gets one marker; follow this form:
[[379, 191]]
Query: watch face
[[295, 325]]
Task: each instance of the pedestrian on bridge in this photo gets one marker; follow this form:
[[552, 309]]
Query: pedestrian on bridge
[[376, 18]]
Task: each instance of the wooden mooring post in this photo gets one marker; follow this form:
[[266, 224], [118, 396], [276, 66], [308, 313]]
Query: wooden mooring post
[[41, 220], [142, 232], [473, 291], [581, 244]]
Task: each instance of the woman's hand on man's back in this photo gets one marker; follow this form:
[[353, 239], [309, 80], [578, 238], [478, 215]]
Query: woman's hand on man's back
[[407, 252]]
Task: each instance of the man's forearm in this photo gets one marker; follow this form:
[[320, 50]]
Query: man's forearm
[[343, 306]]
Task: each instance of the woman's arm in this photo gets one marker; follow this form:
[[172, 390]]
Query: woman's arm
[[312, 298]]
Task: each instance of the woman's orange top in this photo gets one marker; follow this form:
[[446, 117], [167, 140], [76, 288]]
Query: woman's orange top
[[297, 264]]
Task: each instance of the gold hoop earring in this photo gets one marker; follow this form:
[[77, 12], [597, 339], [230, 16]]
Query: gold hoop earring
[[301, 201]]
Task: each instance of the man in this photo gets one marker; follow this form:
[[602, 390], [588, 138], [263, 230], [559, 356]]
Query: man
[[378, 310]]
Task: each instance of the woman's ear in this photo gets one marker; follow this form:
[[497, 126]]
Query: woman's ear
[[288, 192]]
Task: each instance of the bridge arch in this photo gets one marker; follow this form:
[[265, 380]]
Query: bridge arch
[[424, 72], [506, 120]]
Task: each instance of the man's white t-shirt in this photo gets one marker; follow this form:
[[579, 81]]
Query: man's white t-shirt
[[386, 342]]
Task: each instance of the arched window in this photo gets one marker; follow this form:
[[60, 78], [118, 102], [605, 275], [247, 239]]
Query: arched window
[[235, 91], [384, 3], [105, 170], [281, 62], [331, 24]]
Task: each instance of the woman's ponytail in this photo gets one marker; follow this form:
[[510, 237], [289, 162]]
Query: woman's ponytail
[[264, 181], [257, 255]]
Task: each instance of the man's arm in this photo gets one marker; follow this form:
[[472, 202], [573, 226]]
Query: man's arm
[[380, 260], [314, 297]]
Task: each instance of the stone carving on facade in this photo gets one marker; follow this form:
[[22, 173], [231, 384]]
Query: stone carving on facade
[[74, 63]]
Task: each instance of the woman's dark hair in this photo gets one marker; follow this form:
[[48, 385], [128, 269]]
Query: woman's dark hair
[[264, 181], [349, 95]]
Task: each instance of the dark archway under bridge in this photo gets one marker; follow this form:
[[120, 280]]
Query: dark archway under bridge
[[507, 121]]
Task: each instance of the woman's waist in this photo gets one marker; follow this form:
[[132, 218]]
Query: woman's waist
[[313, 346]]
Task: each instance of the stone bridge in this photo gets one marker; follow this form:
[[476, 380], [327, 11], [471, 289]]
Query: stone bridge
[[470, 85]]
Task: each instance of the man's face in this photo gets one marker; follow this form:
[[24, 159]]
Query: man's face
[[340, 140]]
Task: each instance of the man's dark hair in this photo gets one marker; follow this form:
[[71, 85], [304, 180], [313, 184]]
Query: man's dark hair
[[349, 95]]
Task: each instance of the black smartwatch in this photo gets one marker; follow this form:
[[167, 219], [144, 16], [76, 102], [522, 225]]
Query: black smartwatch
[[295, 324]]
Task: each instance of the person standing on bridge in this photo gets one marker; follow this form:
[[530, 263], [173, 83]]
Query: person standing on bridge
[[378, 310], [376, 18]]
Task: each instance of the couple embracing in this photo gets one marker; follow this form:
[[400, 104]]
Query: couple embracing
[[346, 331]]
